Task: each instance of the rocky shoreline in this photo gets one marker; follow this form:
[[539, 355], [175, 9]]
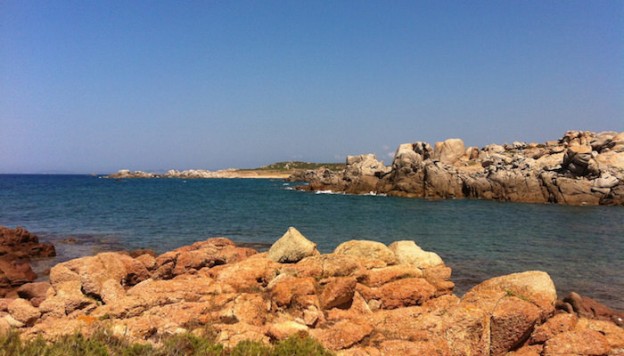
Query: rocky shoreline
[[202, 174], [581, 168], [365, 298]]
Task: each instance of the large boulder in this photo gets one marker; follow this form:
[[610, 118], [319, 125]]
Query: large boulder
[[585, 342], [17, 246], [407, 252], [366, 249], [22, 311], [515, 303], [34, 292], [589, 308], [342, 335], [449, 151], [286, 289], [579, 161], [535, 287], [14, 272], [292, 247], [338, 292], [364, 165], [21, 243]]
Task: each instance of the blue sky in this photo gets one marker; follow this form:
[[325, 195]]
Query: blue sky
[[96, 86]]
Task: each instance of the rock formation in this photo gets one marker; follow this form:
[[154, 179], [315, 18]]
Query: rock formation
[[17, 247], [365, 298], [581, 168]]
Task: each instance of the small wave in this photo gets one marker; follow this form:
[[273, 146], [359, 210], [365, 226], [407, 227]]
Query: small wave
[[374, 194], [331, 192]]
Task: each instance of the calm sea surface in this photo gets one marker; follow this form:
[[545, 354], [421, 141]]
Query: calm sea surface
[[582, 248]]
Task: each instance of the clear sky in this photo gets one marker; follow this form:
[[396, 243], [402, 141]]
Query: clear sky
[[96, 86]]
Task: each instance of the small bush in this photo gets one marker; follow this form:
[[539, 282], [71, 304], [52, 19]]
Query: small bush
[[299, 345], [102, 343], [250, 348]]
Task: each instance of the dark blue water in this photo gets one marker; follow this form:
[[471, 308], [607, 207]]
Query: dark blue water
[[581, 247]]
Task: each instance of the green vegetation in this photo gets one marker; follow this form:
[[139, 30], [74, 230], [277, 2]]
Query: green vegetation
[[296, 165], [102, 343], [510, 293]]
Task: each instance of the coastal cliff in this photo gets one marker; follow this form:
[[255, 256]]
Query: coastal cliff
[[581, 168], [365, 298]]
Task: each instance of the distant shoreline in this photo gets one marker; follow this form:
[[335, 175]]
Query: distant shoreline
[[279, 170], [195, 174]]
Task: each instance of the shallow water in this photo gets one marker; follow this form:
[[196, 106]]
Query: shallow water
[[582, 248]]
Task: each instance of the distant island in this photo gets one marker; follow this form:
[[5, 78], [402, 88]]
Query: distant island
[[279, 170]]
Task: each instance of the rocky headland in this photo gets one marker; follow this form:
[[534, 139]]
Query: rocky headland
[[364, 298], [581, 168]]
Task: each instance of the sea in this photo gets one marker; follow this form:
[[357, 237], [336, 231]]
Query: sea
[[582, 248]]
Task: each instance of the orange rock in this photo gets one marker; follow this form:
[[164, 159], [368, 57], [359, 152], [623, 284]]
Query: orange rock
[[405, 292], [191, 261], [338, 292], [283, 330], [70, 293], [34, 292], [360, 351], [585, 342], [251, 309], [511, 324], [379, 276], [556, 325], [613, 333], [330, 265], [22, 311], [148, 261], [414, 348], [367, 250], [359, 309], [467, 330], [52, 328], [532, 286], [231, 334], [441, 304], [528, 350], [403, 323], [5, 327], [284, 291], [251, 274], [342, 335]]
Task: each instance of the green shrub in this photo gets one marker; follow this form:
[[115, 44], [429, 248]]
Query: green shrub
[[102, 343], [299, 345]]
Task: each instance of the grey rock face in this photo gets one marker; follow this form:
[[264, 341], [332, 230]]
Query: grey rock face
[[581, 168]]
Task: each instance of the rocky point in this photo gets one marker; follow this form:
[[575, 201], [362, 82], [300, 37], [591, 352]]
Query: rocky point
[[581, 168]]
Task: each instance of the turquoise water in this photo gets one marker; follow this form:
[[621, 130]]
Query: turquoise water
[[582, 248]]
